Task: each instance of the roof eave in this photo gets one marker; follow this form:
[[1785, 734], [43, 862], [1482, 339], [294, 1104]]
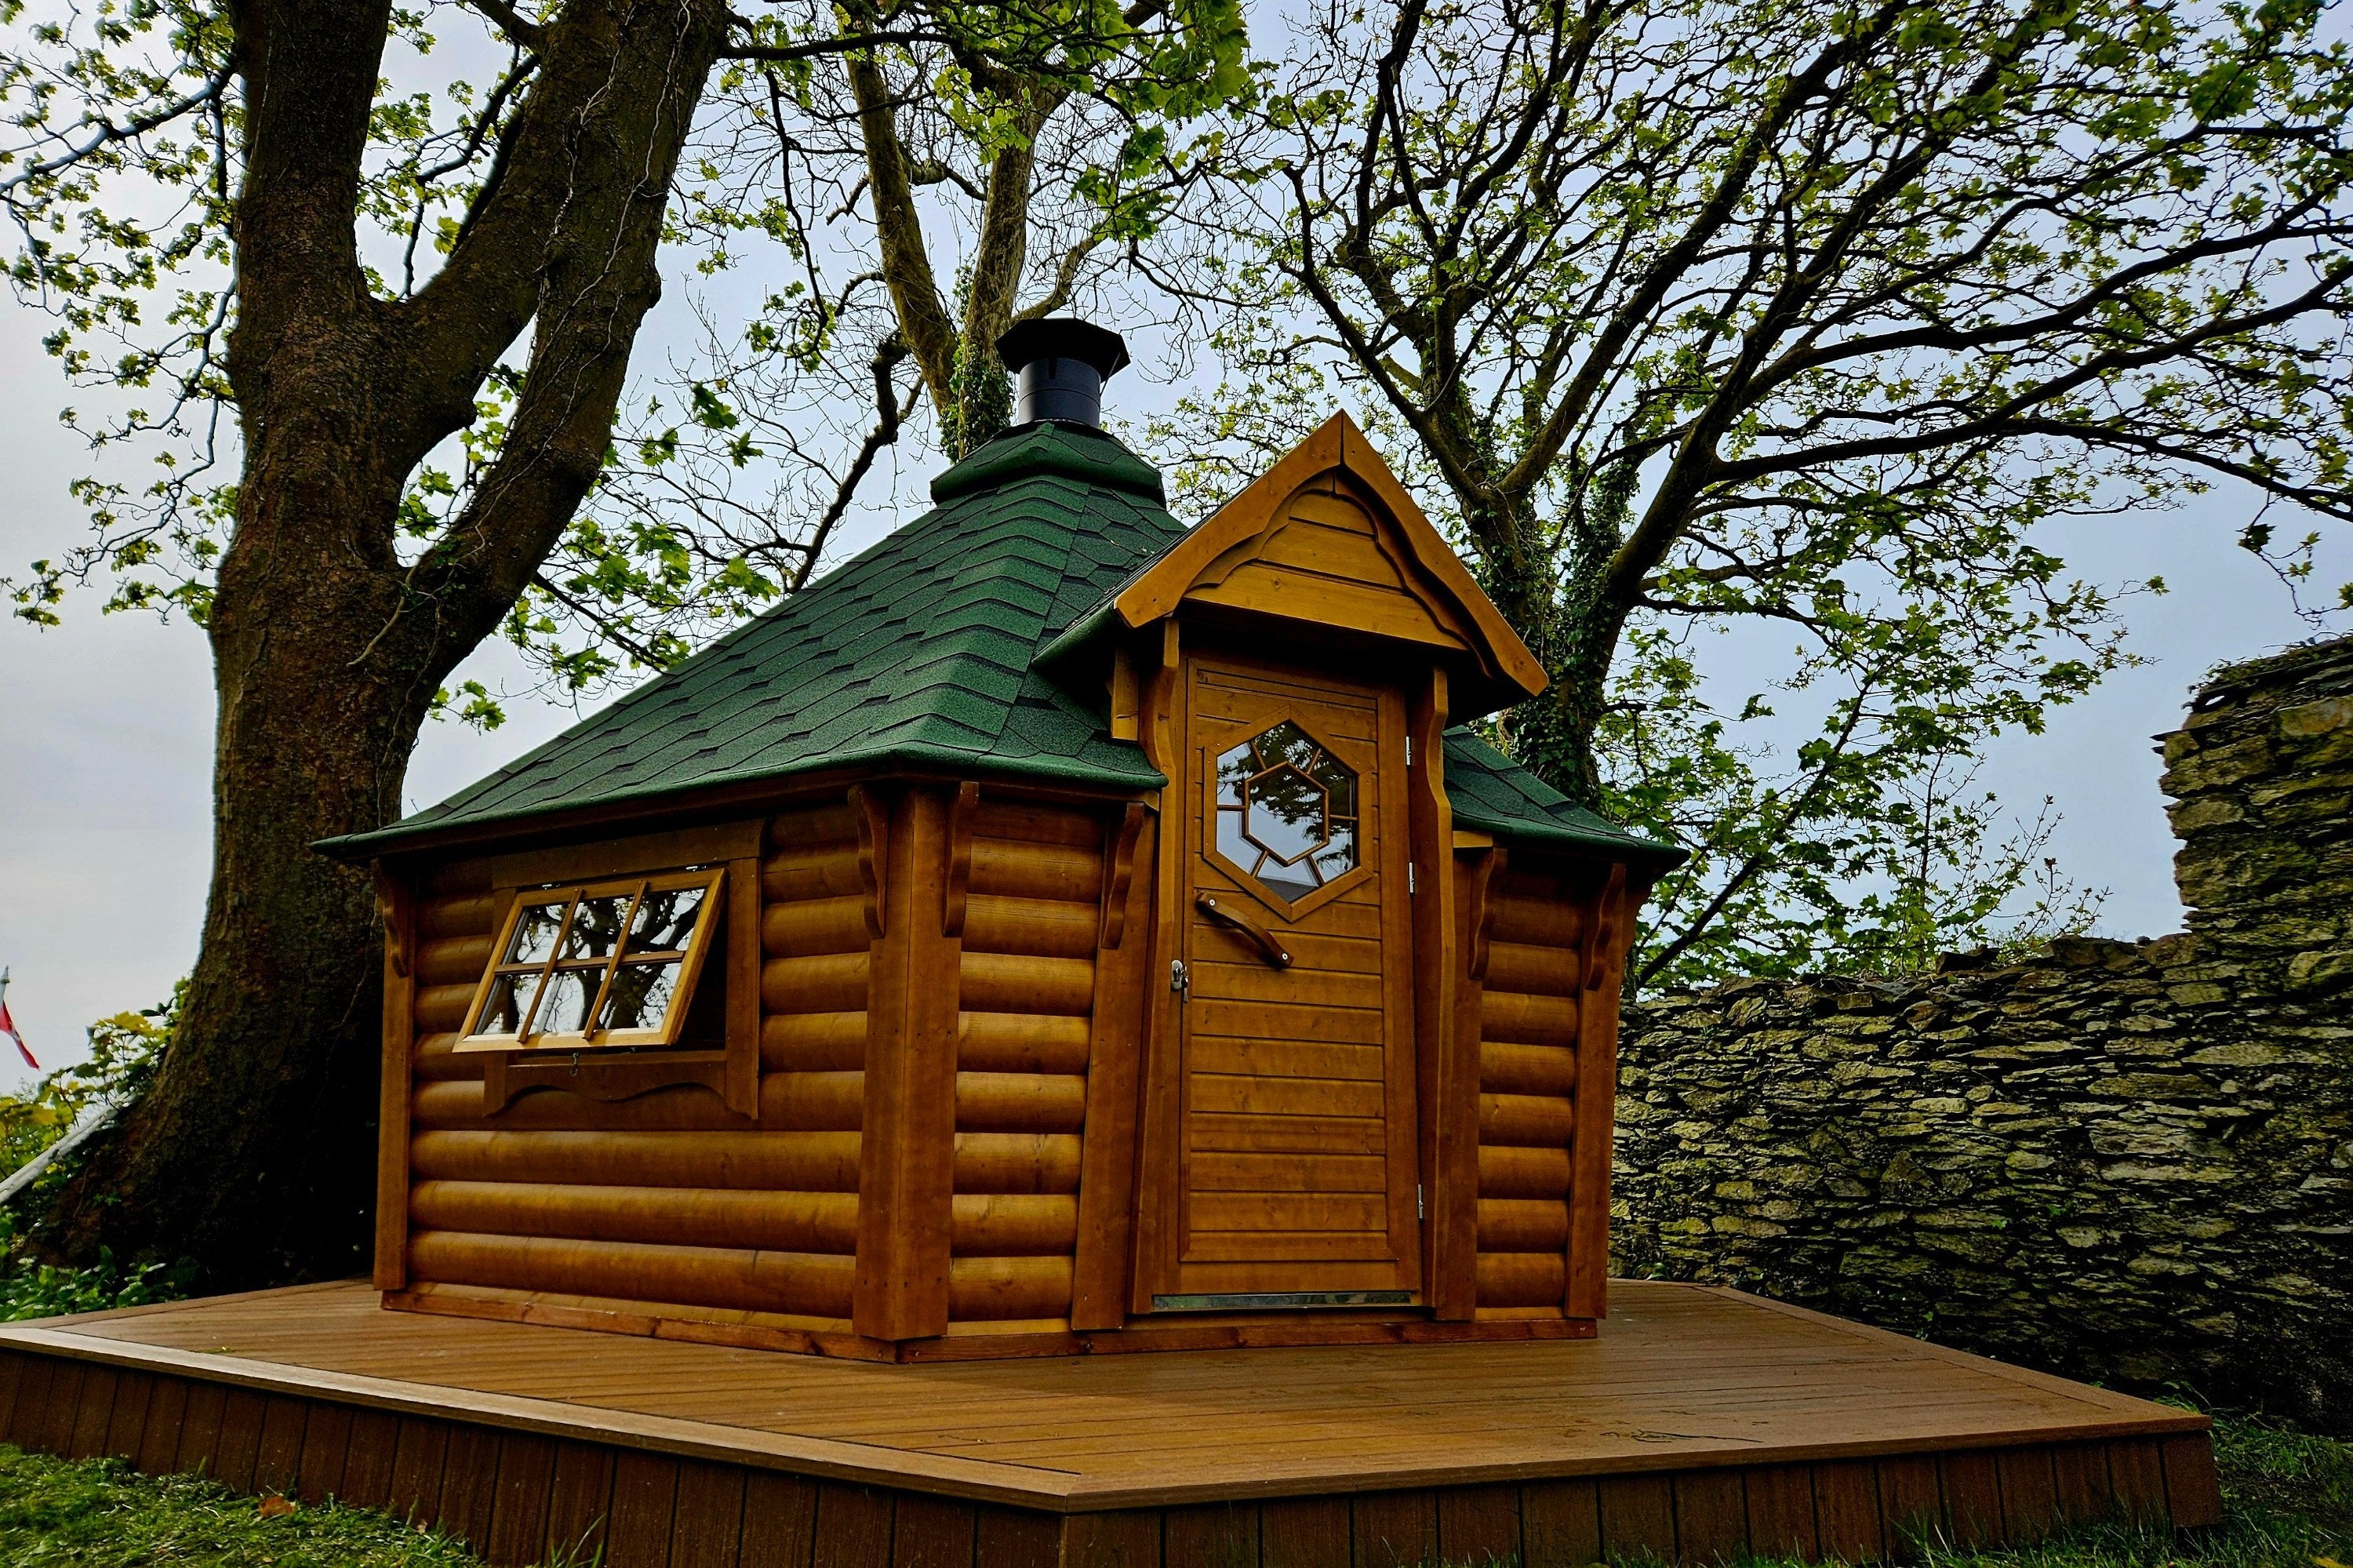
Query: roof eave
[[633, 804]]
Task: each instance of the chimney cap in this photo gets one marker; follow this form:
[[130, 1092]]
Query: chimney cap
[[1062, 337]]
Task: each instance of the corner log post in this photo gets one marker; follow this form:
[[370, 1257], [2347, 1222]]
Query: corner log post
[[1608, 932], [1447, 1060], [907, 1155], [398, 903], [1104, 1263]]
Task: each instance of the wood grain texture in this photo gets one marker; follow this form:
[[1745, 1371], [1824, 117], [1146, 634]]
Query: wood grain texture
[[906, 1177], [521, 1493], [645, 1503], [277, 1458], [707, 1520], [369, 1462], [1638, 1515], [1711, 1516], [1560, 1523], [1971, 1482], [1846, 1510], [1307, 1532], [853, 1528], [1134, 1437], [1586, 1285], [2192, 1496], [1103, 1251], [1781, 1512], [398, 904], [1478, 1526], [1393, 1530], [779, 1520], [1211, 1535], [326, 1452]]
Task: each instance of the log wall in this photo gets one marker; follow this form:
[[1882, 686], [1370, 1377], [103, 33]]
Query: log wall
[[1027, 996], [1528, 1019], [666, 1198]]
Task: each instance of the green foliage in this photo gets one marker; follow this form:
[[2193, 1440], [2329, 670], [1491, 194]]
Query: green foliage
[[125, 1053], [732, 466], [1747, 346], [99, 1513]]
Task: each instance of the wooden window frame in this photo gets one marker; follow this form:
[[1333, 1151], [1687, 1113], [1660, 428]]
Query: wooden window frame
[[690, 961]]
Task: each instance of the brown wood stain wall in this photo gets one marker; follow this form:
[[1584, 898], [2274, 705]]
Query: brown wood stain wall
[[1528, 1017], [1027, 996]]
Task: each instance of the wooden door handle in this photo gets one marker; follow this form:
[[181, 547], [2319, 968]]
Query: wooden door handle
[[1259, 935]]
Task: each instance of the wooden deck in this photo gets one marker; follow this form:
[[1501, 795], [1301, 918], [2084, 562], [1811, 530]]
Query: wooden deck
[[1701, 1424]]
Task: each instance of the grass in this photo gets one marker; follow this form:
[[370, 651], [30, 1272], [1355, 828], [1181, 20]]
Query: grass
[[2287, 1496], [99, 1513]]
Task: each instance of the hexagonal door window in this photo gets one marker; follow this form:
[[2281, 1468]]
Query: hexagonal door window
[[1287, 811]]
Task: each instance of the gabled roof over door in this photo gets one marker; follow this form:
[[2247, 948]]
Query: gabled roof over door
[[1328, 538]]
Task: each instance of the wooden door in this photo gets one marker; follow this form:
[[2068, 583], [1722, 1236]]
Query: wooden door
[[1296, 1146]]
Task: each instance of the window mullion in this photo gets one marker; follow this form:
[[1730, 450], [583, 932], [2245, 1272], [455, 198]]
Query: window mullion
[[547, 969], [613, 965]]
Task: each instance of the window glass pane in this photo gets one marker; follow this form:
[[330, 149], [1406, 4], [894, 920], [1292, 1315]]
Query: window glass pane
[[564, 1009], [535, 936], [595, 926], [640, 996], [503, 1013], [666, 919]]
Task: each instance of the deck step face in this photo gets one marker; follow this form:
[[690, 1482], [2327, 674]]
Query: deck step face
[[526, 1441]]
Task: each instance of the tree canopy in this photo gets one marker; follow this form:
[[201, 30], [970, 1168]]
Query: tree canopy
[[1799, 317]]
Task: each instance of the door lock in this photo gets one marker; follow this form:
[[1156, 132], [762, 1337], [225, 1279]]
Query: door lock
[[1180, 980]]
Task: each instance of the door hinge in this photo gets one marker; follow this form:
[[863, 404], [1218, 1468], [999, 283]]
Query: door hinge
[[1180, 980], [1419, 1213], [1409, 878], [1408, 751]]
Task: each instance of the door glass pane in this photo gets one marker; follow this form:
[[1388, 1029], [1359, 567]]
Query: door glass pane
[[640, 996], [665, 919], [535, 929], [596, 926], [564, 1010], [1286, 810]]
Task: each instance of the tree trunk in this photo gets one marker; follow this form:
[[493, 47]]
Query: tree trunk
[[253, 1153]]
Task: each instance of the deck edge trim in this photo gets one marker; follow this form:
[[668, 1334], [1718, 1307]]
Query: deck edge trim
[[819, 1458]]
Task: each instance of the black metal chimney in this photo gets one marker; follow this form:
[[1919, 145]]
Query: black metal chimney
[[1062, 364]]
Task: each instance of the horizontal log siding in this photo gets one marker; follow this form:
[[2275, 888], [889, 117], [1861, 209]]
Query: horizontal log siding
[[1027, 997], [1527, 1074], [668, 1199]]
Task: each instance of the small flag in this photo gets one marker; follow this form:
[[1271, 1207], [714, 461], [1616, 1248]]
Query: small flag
[[9, 1025]]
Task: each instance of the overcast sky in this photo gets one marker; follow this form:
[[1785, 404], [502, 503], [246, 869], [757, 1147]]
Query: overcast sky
[[106, 722]]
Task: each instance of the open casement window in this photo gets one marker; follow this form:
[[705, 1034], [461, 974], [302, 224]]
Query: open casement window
[[596, 965]]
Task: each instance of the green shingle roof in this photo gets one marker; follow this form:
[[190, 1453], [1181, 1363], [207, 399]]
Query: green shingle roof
[[922, 652], [1493, 794]]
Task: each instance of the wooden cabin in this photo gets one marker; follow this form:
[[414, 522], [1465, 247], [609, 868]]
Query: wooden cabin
[[1054, 930]]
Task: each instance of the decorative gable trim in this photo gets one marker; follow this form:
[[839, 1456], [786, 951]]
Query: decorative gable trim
[[1328, 535]]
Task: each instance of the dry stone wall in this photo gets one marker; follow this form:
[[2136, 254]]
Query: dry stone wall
[[2125, 1161]]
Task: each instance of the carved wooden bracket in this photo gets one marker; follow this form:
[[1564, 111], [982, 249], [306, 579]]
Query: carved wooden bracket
[[1119, 873], [874, 814], [1601, 936], [1479, 910], [958, 880], [387, 908]]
